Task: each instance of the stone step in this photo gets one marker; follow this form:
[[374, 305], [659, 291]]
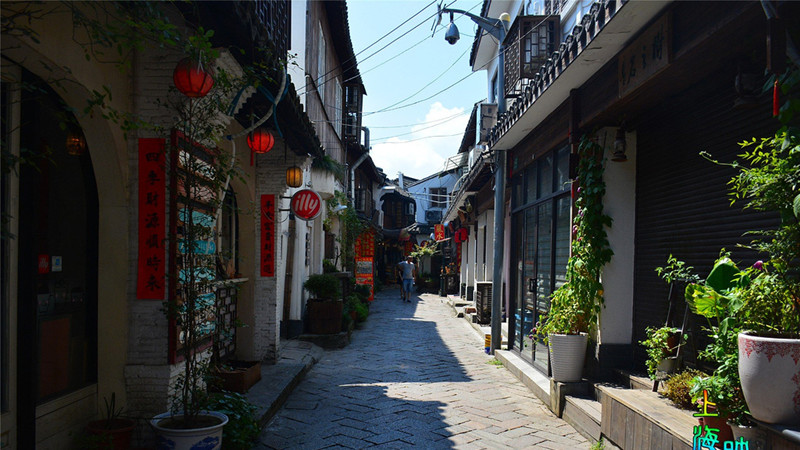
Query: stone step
[[584, 414]]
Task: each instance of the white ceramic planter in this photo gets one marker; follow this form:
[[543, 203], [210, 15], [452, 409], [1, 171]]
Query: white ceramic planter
[[769, 369], [567, 352], [207, 438]]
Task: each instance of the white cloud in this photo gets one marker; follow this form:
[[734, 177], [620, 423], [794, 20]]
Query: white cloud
[[422, 153]]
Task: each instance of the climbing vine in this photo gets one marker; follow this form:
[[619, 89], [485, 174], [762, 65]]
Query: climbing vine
[[576, 305]]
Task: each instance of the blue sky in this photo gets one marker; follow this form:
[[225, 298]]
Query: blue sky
[[405, 138]]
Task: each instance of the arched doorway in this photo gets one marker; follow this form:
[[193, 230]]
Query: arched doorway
[[55, 250]]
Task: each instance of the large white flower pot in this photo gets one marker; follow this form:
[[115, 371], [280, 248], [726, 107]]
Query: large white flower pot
[[769, 368], [204, 438], [567, 352]]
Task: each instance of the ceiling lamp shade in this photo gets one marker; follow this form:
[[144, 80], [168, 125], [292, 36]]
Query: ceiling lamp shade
[[294, 177], [76, 144], [192, 79]]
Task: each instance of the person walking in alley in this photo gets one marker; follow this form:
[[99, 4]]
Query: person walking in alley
[[408, 272]]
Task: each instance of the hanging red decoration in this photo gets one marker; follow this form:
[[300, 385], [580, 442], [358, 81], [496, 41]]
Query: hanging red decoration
[[192, 79], [776, 104], [259, 141], [463, 235]]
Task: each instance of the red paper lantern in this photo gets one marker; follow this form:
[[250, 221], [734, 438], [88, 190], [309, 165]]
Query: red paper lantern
[[260, 140], [192, 79]]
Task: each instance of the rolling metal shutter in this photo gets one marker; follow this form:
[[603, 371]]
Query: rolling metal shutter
[[682, 207]]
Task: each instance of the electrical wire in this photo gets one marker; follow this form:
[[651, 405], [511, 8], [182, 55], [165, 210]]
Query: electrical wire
[[425, 137], [323, 77], [421, 129]]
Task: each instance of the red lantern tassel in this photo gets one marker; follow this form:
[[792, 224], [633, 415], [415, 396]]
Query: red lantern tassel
[[776, 107]]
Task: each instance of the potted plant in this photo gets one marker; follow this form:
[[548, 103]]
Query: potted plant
[[662, 345], [113, 431], [576, 305], [325, 306], [767, 307], [199, 175]]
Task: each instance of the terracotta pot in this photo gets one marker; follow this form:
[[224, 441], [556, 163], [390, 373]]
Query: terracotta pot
[[567, 352], [769, 369], [238, 376], [719, 423], [118, 432]]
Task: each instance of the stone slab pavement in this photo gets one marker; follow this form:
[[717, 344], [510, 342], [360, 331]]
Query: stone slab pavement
[[414, 376]]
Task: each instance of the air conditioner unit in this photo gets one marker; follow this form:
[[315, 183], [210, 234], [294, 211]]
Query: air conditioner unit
[[433, 216], [475, 154], [486, 120]]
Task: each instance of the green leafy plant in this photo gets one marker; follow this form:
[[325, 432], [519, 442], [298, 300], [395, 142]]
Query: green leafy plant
[[677, 388], [328, 266], [599, 445], [723, 387], [242, 428], [422, 251], [323, 286], [350, 226], [111, 410], [660, 343], [677, 270], [362, 311], [575, 305]]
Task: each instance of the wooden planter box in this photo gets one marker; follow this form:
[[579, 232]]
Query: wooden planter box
[[238, 376], [325, 316]]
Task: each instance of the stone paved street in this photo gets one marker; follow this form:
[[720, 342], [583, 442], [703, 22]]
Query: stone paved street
[[414, 376]]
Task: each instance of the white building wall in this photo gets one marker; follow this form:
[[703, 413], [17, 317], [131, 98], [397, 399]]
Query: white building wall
[[616, 319], [421, 193]]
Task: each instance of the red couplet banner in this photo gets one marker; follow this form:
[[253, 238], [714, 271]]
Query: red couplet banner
[[267, 235], [151, 278]]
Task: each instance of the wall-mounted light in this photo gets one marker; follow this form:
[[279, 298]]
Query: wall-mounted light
[[619, 146], [76, 143], [294, 177]]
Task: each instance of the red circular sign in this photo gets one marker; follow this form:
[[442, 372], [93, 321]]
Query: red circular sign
[[306, 204]]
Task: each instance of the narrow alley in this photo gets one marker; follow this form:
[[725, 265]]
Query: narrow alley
[[414, 376]]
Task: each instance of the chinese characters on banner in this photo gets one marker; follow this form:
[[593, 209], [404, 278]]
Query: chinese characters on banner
[[438, 232], [152, 220], [365, 243], [267, 235], [646, 56]]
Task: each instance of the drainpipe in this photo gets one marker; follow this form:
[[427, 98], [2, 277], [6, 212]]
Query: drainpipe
[[358, 162]]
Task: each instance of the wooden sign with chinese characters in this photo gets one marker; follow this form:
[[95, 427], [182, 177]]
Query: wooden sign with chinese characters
[[150, 282], [267, 259], [438, 232], [649, 54]]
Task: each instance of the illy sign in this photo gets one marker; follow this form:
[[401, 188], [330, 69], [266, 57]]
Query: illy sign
[[306, 204]]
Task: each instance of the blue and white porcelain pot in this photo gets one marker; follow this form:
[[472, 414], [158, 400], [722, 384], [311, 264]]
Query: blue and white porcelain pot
[[207, 436]]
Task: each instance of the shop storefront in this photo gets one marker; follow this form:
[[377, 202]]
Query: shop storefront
[[540, 217]]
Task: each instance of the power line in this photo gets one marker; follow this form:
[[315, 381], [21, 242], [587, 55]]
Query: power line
[[425, 137], [324, 76], [421, 129]]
